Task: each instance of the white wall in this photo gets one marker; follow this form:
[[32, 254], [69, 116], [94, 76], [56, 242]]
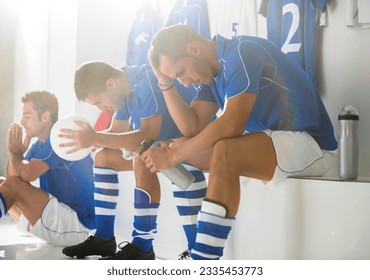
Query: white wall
[[7, 44], [344, 74], [45, 51]]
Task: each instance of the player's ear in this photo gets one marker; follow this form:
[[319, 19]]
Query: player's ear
[[193, 49], [45, 117], [110, 84]]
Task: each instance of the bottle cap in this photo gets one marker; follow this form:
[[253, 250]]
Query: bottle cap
[[146, 145], [349, 113]]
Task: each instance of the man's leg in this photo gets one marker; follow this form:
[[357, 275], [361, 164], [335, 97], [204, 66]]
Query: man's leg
[[107, 163], [146, 204], [30, 200], [251, 155], [188, 203]]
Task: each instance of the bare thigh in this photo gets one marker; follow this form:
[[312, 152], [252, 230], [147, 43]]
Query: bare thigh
[[250, 155], [253, 155], [23, 195], [112, 159]]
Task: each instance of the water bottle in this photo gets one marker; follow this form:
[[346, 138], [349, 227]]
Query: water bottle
[[348, 143], [178, 174]]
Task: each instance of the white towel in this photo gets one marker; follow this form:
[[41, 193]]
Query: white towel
[[358, 14]]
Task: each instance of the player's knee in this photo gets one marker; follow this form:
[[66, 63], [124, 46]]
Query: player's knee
[[222, 153], [12, 183], [101, 157]]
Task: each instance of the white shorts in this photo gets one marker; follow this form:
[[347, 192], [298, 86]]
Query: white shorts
[[58, 225], [299, 155]]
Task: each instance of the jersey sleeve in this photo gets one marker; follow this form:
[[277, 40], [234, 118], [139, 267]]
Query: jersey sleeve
[[243, 71], [151, 100], [45, 154]]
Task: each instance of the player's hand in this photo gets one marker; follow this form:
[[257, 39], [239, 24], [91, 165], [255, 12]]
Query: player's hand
[[158, 158], [15, 142], [162, 78], [79, 138], [177, 143]]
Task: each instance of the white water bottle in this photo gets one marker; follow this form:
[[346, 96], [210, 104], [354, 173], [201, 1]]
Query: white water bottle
[[348, 146], [178, 174]]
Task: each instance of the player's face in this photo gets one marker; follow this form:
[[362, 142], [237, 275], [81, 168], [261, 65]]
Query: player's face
[[31, 121], [188, 70], [105, 101]]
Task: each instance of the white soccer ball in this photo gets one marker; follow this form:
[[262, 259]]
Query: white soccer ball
[[55, 141]]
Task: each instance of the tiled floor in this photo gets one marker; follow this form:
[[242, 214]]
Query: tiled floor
[[16, 245]]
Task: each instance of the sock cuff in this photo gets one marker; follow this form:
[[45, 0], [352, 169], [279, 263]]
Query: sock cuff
[[104, 170], [141, 196], [214, 207]]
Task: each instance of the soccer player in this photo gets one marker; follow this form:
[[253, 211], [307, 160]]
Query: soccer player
[[140, 114], [61, 210], [273, 123]]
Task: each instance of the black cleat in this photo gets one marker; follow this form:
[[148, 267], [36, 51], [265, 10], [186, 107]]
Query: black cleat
[[184, 256], [131, 252], [92, 246]]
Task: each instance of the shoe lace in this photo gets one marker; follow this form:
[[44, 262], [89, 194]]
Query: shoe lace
[[185, 255], [125, 248]]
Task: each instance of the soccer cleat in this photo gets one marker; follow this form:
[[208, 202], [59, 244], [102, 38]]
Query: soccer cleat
[[184, 256], [131, 252], [92, 246]]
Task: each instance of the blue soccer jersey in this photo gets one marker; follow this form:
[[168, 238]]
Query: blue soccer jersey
[[147, 101], [293, 26], [71, 182], [192, 13], [286, 97], [141, 33]]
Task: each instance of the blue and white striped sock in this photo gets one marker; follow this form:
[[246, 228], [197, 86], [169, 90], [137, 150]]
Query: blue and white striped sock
[[212, 232], [3, 208], [188, 203], [106, 197], [145, 220]]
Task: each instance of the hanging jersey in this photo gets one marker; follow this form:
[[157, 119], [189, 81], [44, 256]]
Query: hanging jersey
[[147, 101], [140, 35], [286, 98], [239, 17], [293, 26], [192, 13], [71, 182]]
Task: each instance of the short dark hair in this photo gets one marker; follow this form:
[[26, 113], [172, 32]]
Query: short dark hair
[[90, 78], [172, 42], [43, 101]]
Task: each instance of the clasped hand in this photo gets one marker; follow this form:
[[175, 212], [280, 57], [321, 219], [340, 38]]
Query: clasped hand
[[15, 142]]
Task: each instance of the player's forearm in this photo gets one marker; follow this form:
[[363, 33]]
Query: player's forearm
[[128, 140], [14, 166], [183, 115], [10, 169], [18, 167], [203, 142]]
